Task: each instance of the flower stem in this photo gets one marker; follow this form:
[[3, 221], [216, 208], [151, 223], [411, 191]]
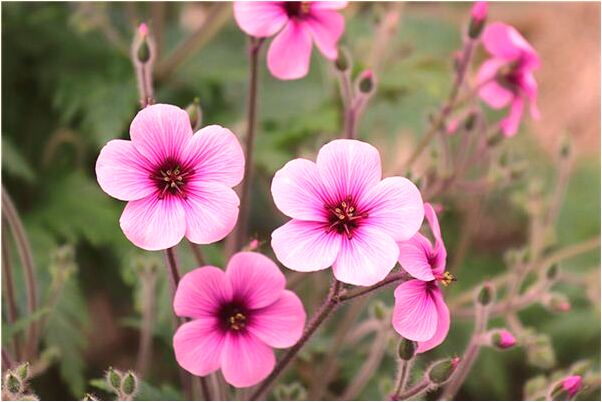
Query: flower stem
[[413, 392], [145, 349], [405, 367], [198, 253], [394, 277], [9, 287], [332, 300]]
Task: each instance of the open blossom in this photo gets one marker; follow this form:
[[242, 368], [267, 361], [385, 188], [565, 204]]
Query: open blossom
[[420, 312], [177, 184], [344, 214], [507, 77], [297, 24], [238, 316]]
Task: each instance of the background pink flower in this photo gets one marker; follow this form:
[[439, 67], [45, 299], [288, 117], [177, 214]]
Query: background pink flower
[[298, 24], [177, 184], [572, 385], [237, 317], [420, 313], [344, 214], [507, 77]]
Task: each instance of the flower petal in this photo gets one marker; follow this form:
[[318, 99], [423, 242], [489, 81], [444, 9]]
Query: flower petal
[[160, 132], [414, 257], [366, 258], [198, 346], [327, 5], [152, 223], [348, 168], [439, 251], [298, 192], [415, 313], [500, 40], [255, 279], [290, 52], [260, 18], [211, 211], [326, 27], [395, 206], [123, 172], [305, 246], [215, 155], [201, 292], [510, 123], [443, 322], [246, 360], [491, 91], [280, 324]]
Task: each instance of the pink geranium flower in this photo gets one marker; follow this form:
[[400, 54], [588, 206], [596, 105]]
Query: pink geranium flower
[[298, 24], [177, 184], [238, 316], [420, 313], [507, 77], [344, 214]]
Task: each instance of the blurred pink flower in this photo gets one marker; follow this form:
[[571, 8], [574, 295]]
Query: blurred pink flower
[[177, 184], [344, 214], [238, 316], [572, 385], [479, 10], [420, 313], [504, 339], [507, 77], [297, 24]]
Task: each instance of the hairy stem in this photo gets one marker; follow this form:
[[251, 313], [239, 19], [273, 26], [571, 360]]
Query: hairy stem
[[391, 278], [405, 367], [9, 288], [413, 391], [148, 318]]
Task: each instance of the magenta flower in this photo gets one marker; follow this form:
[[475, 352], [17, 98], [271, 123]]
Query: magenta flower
[[297, 24], [344, 214], [420, 313], [238, 316], [177, 184], [572, 385], [507, 77]]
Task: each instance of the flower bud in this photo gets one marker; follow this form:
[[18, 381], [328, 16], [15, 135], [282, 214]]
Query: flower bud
[[557, 303], [378, 310], [486, 294], [113, 378], [565, 147], [540, 353], [567, 388], [290, 392], [143, 52], [452, 126], [552, 272], [12, 383], [581, 367], [90, 397], [495, 139], [478, 16], [23, 371], [440, 371], [470, 121], [195, 114], [503, 339], [406, 349], [342, 61], [129, 384], [366, 82]]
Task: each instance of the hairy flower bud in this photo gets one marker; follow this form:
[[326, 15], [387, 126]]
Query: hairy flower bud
[[195, 114], [23, 371], [486, 294], [129, 384], [113, 378], [378, 310], [552, 272], [440, 371], [290, 392], [12, 383], [406, 349], [366, 82], [557, 303], [567, 388], [143, 53], [502, 339], [342, 62], [478, 16]]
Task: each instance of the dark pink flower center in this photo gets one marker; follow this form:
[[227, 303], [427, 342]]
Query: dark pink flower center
[[510, 76], [234, 317], [170, 179], [296, 8], [344, 217]]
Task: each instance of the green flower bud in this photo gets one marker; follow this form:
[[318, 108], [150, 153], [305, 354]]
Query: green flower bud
[[406, 349], [552, 272], [23, 371], [442, 370], [366, 82], [290, 392], [342, 61], [90, 397], [113, 378], [195, 114], [486, 294], [12, 383], [378, 310], [129, 384]]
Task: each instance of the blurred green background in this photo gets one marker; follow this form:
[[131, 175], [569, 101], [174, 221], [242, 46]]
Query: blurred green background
[[68, 87]]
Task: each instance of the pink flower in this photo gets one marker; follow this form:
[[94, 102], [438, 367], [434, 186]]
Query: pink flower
[[344, 215], [297, 24], [572, 385], [143, 30], [420, 313], [238, 316], [479, 11], [507, 77], [503, 339], [177, 184]]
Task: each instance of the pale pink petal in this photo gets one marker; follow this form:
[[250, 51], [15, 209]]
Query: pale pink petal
[[160, 132], [290, 52], [198, 346], [414, 257], [431, 217], [415, 314], [510, 123], [443, 321], [327, 5], [495, 95], [152, 223], [215, 154], [260, 18], [246, 360], [280, 324], [501, 41], [123, 173], [255, 279], [489, 70], [366, 258], [395, 206], [529, 86], [211, 211], [439, 254], [326, 27], [348, 168], [305, 246], [201, 292], [298, 192]]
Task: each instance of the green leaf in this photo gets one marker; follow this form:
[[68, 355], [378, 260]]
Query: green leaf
[[14, 163], [8, 331]]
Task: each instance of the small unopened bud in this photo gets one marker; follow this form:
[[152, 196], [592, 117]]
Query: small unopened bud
[[552, 272], [23, 371], [503, 339], [342, 61], [540, 353], [90, 397], [470, 121], [440, 371], [290, 392], [253, 245], [195, 114], [495, 139], [567, 388], [406, 349], [143, 52], [478, 16], [12, 383], [557, 303], [378, 310], [452, 126], [486, 294], [366, 82], [113, 378], [129, 385]]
